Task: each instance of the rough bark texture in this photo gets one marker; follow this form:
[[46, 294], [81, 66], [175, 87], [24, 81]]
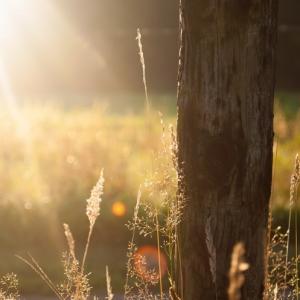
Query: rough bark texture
[[225, 136]]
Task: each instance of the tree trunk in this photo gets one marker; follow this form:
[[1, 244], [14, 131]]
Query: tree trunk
[[225, 138]]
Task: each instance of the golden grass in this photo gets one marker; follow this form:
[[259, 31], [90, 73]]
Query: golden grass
[[62, 151], [74, 144]]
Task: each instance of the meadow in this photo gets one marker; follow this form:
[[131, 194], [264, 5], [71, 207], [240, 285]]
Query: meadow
[[51, 155]]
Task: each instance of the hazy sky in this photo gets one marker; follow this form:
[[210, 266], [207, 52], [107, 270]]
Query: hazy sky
[[72, 46], [56, 47]]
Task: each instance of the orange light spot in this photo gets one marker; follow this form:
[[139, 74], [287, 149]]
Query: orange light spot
[[146, 263], [118, 209]]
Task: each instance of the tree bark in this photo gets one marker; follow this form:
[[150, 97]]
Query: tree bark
[[225, 138]]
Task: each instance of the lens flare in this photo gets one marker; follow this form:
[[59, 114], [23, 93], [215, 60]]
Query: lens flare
[[118, 209], [146, 263]]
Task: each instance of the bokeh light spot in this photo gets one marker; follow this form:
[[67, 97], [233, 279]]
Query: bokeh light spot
[[146, 263], [28, 205], [118, 209]]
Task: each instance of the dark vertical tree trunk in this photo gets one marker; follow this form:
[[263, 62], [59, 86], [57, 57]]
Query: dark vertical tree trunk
[[225, 137]]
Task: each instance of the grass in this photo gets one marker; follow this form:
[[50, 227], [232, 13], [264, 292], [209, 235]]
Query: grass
[[50, 161], [160, 192], [47, 171]]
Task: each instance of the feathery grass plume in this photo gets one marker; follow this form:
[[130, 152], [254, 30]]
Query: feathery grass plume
[[76, 284], [236, 273], [294, 194], [93, 203], [142, 60], [110, 294], [295, 179], [282, 277], [70, 239], [93, 211], [9, 287], [137, 205], [131, 247], [160, 212], [174, 147], [140, 280], [179, 203]]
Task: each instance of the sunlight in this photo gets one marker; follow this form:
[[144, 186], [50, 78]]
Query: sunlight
[[11, 13], [32, 175], [6, 20], [42, 48], [10, 103]]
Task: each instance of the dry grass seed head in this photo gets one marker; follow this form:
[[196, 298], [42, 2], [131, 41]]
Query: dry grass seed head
[[162, 204], [9, 287], [282, 277], [295, 178], [70, 239], [76, 285], [110, 295], [93, 203], [236, 273]]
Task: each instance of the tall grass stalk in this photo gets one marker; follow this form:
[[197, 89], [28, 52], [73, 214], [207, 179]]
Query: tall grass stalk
[[93, 212], [70, 240], [86, 249], [40, 272], [180, 272], [76, 284], [110, 294], [130, 250], [296, 244], [158, 254], [270, 220], [142, 60], [295, 178]]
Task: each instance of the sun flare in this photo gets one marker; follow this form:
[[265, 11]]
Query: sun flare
[[11, 13]]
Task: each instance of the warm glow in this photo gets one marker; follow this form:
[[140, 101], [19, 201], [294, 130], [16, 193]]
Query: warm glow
[[146, 263], [42, 50], [119, 209], [11, 14], [6, 19]]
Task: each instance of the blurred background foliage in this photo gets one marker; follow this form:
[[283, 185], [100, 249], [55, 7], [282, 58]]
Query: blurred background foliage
[[50, 163]]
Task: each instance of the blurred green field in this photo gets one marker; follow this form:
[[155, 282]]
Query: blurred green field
[[50, 158]]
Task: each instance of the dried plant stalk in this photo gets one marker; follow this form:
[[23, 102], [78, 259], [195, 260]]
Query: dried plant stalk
[[93, 211], [236, 273], [110, 295], [142, 60], [70, 240], [295, 179]]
